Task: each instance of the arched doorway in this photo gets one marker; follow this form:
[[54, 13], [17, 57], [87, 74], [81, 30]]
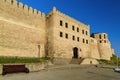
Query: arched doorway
[[75, 52]]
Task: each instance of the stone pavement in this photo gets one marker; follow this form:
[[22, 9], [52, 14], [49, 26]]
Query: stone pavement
[[67, 72]]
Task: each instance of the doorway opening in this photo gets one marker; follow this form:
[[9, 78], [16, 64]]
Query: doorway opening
[[75, 52]]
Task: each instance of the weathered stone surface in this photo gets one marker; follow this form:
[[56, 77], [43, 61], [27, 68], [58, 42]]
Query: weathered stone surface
[[26, 32]]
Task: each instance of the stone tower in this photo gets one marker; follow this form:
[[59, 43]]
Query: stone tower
[[104, 46]]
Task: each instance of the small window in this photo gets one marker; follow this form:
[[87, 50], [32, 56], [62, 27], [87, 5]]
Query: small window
[[100, 37], [12, 2], [73, 28], [77, 29], [104, 41], [86, 33], [61, 23], [73, 37], [66, 36], [61, 34], [86, 41], [66, 25], [83, 40], [82, 31], [100, 41], [78, 39], [104, 36]]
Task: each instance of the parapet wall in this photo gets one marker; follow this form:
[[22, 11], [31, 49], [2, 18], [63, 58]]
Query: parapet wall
[[18, 11], [67, 17], [22, 29]]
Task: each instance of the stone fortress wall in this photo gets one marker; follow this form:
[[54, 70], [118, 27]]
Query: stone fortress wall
[[63, 46], [26, 32], [22, 29]]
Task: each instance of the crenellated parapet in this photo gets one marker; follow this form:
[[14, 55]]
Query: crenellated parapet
[[20, 12]]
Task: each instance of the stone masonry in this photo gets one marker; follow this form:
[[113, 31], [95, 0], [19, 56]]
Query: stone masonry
[[26, 32]]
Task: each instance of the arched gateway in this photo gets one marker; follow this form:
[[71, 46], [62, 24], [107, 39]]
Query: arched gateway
[[75, 52]]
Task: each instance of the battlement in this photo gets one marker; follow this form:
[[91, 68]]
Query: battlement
[[21, 12], [20, 5]]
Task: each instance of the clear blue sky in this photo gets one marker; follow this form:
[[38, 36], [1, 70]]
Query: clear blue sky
[[102, 15]]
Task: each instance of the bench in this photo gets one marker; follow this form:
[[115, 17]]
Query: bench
[[14, 69]]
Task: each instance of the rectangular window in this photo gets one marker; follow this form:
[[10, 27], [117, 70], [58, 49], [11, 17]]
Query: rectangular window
[[100, 41], [100, 37], [86, 41], [66, 25], [73, 37], [61, 34], [104, 36], [82, 31], [61, 23], [86, 33], [73, 28], [66, 36], [77, 29], [104, 41], [78, 39], [83, 40]]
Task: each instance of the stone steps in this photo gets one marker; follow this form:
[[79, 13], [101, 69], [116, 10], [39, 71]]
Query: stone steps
[[76, 61]]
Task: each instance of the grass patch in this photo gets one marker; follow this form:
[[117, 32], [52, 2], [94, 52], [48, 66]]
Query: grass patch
[[113, 61], [4, 60]]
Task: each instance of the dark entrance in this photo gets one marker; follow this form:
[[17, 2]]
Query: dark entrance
[[75, 52]]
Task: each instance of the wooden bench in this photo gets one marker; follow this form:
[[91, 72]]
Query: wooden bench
[[14, 69]]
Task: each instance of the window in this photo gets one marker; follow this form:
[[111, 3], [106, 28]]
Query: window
[[78, 39], [77, 29], [86, 41], [100, 37], [66, 36], [83, 40], [86, 33], [73, 28], [12, 2], [100, 41], [61, 23], [61, 34], [104, 41], [82, 31], [104, 36], [66, 25], [73, 37]]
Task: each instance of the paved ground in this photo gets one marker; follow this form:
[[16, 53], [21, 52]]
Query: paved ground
[[69, 72]]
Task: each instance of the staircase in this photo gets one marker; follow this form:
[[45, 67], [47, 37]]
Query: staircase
[[76, 61]]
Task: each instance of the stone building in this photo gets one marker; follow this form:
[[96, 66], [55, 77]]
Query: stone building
[[26, 32]]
